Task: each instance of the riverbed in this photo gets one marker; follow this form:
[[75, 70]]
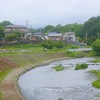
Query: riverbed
[[44, 83]]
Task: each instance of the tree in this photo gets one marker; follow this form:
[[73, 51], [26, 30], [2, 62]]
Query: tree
[[2, 32], [58, 44], [96, 47], [49, 28], [4, 23], [92, 29], [13, 36]]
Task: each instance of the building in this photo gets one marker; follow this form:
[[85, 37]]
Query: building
[[11, 28], [69, 36], [38, 36], [55, 36]]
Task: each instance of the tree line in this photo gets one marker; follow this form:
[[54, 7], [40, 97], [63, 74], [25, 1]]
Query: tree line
[[87, 32]]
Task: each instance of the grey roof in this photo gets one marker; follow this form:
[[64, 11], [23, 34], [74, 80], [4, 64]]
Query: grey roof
[[56, 34], [70, 33], [15, 26]]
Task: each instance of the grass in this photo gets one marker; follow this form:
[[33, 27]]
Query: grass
[[97, 60], [4, 73], [59, 67], [81, 66], [0, 96], [96, 83]]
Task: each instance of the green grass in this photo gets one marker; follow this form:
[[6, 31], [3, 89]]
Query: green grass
[[95, 72], [97, 60], [4, 73], [0, 96], [81, 66], [96, 83], [59, 67]]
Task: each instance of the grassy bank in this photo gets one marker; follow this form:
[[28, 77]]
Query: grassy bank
[[19, 56]]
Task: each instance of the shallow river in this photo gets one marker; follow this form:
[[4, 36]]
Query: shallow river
[[44, 83]]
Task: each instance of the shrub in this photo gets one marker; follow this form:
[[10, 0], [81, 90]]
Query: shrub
[[81, 66], [96, 83], [96, 47], [59, 67]]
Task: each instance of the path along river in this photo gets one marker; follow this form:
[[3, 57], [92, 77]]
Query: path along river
[[44, 83]]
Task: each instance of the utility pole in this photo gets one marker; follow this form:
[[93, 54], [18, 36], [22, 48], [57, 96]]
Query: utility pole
[[86, 38]]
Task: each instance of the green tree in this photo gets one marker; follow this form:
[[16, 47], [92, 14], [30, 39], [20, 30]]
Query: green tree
[[4, 23], [58, 44], [11, 37], [92, 29], [96, 47], [49, 28], [2, 32]]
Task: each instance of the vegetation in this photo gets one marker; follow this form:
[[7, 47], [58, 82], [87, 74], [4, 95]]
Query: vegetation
[[52, 44], [14, 36], [75, 54], [96, 83], [97, 60], [81, 66], [0, 96], [59, 67], [96, 47]]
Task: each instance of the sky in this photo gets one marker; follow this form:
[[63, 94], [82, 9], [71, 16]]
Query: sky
[[39, 13]]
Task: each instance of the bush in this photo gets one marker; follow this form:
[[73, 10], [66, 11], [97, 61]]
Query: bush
[[59, 67], [96, 83], [96, 47], [81, 66]]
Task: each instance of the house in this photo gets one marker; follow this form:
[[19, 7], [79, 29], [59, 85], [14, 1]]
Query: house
[[69, 36], [11, 28], [38, 36], [55, 36]]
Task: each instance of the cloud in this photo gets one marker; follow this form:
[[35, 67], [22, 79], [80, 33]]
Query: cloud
[[43, 12]]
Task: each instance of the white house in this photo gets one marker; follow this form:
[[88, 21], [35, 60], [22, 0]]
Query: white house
[[55, 36], [11, 28], [69, 36]]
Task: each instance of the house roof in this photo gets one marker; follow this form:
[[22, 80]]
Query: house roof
[[56, 34], [70, 33], [15, 26]]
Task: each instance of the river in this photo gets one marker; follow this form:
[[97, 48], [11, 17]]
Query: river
[[44, 83]]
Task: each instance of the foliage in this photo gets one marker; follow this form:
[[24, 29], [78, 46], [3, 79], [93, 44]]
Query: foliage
[[0, 96], [91, 28], [75, 54], [47, 44], [4, 23], [59, 67], [13, 36], [95, 72], [81, 66], [2, 32], [96, 60], [96, 83], [51, 44], [96, 47], [58, 44]]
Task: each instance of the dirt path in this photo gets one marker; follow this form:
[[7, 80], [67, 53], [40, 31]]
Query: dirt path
[[9, 86]]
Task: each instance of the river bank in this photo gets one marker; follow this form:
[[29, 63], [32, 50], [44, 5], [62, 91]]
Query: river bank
[[9, 86]]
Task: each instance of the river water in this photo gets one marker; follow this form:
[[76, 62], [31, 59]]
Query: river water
[[44, 83]]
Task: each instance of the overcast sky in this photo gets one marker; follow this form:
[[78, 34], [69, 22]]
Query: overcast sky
[[40, 13]]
